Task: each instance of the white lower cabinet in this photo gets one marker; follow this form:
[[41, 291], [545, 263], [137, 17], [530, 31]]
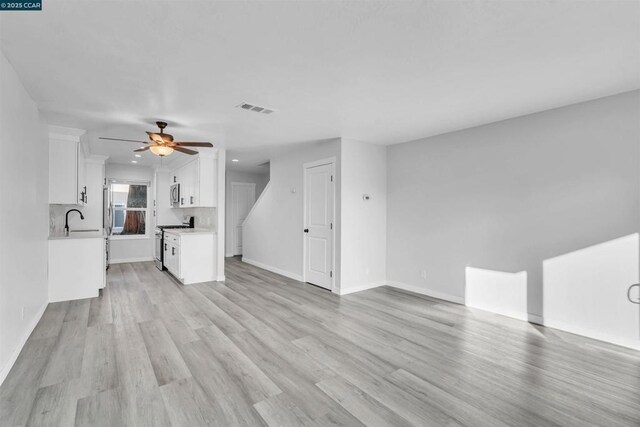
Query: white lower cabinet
[[76, 267], [172, 258], [190, 257]]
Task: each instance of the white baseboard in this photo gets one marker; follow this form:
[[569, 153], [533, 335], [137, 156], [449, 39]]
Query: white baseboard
[[221, 278], [361, 288], [229, 255], [123, 261], [519, 315], [573, 329], [7, 367], [427, 292], [534, 318], [273, 269]]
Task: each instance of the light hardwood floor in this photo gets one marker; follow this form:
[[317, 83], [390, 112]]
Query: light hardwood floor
[[261, 349]]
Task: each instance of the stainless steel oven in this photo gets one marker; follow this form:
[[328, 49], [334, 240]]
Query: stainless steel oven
[[158, 251], [187, 222], [174, 195]]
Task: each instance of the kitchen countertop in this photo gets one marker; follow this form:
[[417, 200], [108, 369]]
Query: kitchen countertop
[[59, 235], [181, 231]]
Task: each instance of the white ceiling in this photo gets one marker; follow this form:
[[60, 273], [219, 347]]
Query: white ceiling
[[380, 72]]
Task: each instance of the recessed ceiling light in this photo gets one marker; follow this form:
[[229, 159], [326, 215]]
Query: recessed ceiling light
[[142, 148], [138, 155], [235, 160], [134, 161]]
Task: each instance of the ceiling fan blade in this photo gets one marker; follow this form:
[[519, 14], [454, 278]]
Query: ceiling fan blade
[[127, 140], [141, 149], [185, 150], [160, 137], [193, 144]]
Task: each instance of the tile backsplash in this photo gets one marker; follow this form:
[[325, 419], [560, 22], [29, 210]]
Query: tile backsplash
[[204, 217]]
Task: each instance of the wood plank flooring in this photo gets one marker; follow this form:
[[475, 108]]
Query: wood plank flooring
[[261, 349]]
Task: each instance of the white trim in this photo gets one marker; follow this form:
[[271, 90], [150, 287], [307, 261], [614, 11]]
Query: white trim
[[116, 237], [229, 255], [61, 133], [320, 162], [124, 261], [96, 159], [130, 182], [360, 288], [12, 360], [273, 269], [428, 292], [221, 278], [328, 161], [585, 332], [534, 318], [266, 187]]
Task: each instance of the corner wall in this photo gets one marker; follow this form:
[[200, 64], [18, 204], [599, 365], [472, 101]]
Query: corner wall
[[509, 195], [363, 222], [24, 213]]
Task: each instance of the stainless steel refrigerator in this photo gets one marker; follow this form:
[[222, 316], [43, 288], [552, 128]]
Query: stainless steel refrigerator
[[107, 220]]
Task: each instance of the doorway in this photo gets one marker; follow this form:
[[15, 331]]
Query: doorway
[[243, 196], [319, 203]]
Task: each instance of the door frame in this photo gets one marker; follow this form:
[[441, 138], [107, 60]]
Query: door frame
[[234, 186], [328, 161]]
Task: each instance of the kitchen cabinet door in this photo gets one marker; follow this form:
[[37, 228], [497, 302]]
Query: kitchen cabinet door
[[191, 172], [63, 172], [82, 178], [172, 258]]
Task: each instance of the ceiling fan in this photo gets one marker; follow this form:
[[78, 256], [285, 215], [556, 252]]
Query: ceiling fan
[[162, 144]]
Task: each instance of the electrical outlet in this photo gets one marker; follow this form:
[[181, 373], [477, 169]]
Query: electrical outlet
[[423, 274]]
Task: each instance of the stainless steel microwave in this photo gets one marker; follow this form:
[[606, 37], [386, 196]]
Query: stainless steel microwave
[[174, 195]]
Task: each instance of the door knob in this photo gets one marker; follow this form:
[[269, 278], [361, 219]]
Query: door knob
[[306, 230], [629, 294]]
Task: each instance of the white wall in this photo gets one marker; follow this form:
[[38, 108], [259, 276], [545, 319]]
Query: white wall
[[585, 291], [364, 222], [24, 212], [165, 214], [508, 195], [497, 291], [132, 249], [273, 235], [259, 179]]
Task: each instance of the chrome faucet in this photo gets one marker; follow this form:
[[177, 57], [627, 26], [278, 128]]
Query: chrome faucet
[[66, 220]]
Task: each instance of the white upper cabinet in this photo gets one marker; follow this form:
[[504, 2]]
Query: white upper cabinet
[[67, 185], [198, 182]]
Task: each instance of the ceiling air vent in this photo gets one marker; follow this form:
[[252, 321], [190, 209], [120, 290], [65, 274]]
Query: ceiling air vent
[[255, 108]]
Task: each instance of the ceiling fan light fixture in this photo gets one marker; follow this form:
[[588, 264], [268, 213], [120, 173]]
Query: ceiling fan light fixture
[[161, 150]]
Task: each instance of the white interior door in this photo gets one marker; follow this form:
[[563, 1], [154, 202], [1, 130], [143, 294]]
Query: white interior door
[[318, 225], [243, 196]]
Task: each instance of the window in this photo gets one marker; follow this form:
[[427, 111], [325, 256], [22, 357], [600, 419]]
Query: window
[[129, 202]]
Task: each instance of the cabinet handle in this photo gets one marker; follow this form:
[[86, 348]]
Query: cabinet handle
[[182, 200], [174, 178], [173, 251], [191, 197], [165, 246]]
